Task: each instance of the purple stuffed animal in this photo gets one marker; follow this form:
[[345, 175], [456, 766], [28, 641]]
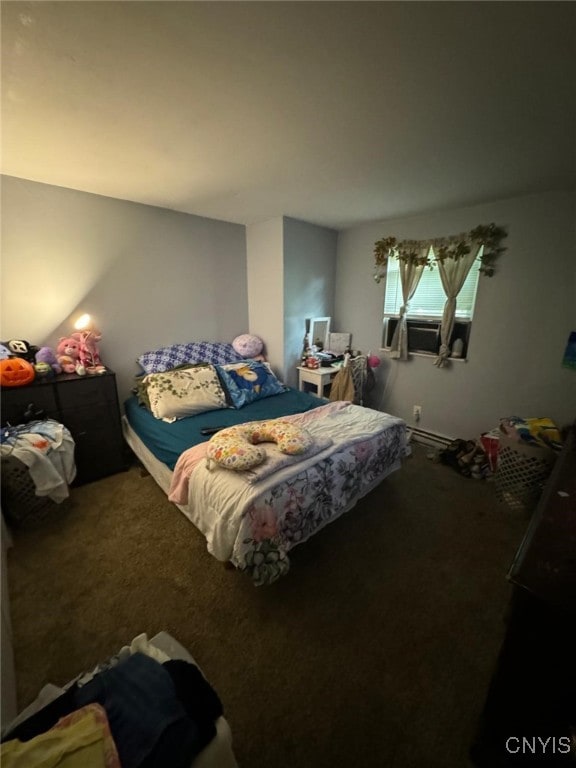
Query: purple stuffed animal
[[47, 355]]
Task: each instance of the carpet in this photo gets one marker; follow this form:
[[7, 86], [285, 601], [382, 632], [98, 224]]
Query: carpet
[[376, 649]]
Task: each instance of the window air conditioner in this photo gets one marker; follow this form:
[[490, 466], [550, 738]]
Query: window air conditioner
[[424, 335]]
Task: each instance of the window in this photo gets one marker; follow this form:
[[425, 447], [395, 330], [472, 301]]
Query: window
[[426, 308], [460, 260], [429, 299]]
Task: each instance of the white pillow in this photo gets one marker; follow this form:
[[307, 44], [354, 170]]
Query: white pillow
[[184, 392]]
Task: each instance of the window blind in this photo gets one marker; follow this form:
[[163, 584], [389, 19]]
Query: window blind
[[429, 299]]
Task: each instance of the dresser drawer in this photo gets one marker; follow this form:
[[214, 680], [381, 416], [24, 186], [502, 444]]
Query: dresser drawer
[[97, 434], [89, 390], [97, 455], [95, 418], [15, 400]]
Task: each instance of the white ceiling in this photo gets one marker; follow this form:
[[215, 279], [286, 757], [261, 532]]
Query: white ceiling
[[331, 112]]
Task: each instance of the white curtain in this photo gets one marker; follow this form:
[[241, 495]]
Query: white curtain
[[410, 274], [453, 273]]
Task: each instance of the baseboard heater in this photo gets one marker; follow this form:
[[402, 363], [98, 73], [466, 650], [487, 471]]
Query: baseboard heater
[[428, 438]]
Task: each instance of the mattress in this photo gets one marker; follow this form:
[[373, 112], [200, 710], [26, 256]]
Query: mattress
[[167, 441]]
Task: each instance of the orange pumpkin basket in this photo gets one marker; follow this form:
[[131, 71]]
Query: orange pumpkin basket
[[16, 372]]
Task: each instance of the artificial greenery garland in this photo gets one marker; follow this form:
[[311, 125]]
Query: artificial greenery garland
[[428, 252]]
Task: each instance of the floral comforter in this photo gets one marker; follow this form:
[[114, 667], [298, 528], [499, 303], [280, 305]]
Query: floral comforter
[[255, 524]]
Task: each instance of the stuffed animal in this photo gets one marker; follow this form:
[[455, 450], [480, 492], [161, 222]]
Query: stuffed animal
[[89, 352], [68, 356], [47, 355], [249, 345], [20, 348], [44, 371]]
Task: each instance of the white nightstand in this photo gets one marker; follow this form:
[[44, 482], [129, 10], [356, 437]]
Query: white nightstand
[[318, 377]]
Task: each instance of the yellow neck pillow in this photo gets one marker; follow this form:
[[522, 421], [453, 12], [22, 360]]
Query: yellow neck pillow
[[237, 447]]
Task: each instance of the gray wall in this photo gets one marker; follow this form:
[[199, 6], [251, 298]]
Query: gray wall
[[149, 276], [522, 319], [309, 283], [291, 276]]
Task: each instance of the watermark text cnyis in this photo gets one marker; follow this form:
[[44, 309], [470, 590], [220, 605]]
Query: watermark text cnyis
[[538, 745]]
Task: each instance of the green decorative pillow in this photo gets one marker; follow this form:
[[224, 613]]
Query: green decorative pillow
[[184, 392]]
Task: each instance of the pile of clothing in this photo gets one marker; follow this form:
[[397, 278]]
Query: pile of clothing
[[467, 457], [479, 458], [140, 709], [46, 447], [540, 433]]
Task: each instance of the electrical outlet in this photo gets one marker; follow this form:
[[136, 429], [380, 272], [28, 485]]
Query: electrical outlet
[[417, 412]]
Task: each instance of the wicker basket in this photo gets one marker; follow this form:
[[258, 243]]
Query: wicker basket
[[20, 505], [522, 473]]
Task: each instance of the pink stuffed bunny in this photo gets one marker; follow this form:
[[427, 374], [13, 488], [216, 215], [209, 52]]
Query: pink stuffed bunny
[[89, 352]]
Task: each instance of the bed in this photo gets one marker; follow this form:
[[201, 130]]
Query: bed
[[253, 518]]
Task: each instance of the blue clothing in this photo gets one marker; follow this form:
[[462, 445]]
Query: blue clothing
[[140, 702]]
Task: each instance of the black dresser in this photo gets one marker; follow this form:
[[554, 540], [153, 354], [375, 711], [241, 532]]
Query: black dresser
[[88, 406]]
